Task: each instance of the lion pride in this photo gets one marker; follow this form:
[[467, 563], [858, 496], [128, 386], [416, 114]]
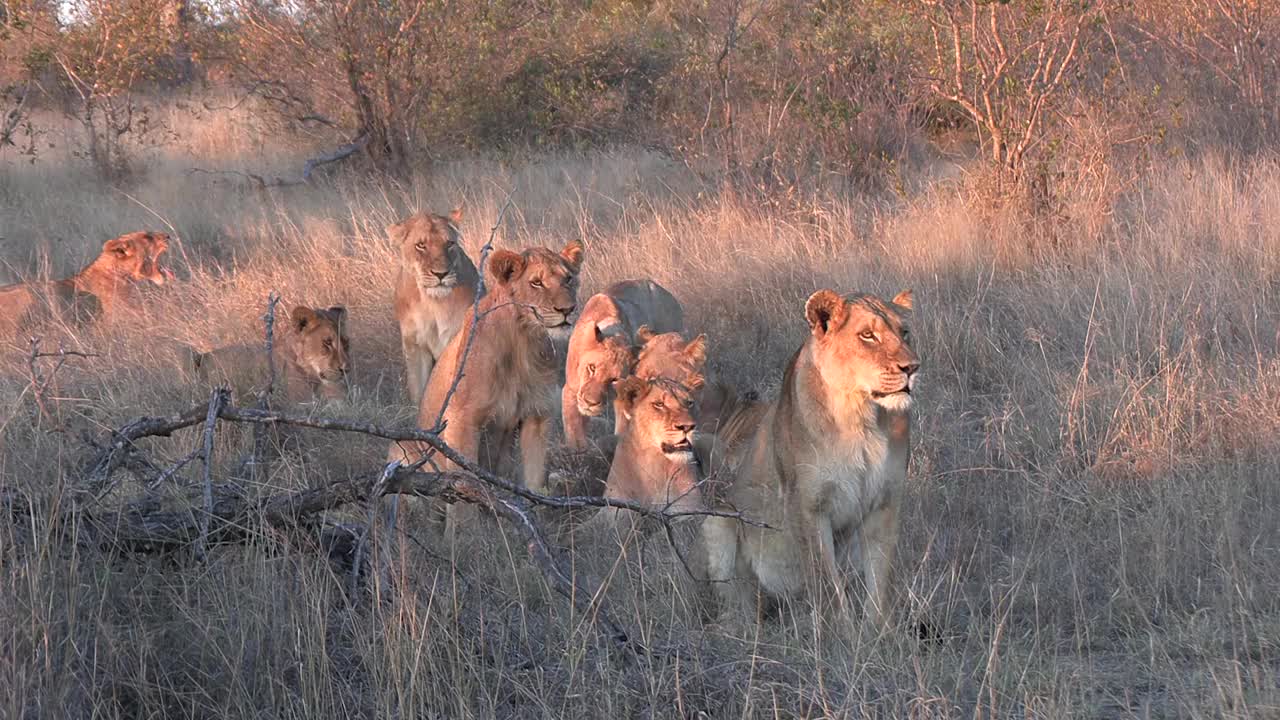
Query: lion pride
[[824, 464], [601, 347], [100, 288]]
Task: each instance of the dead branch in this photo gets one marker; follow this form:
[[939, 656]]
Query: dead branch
[[342, 152], [217, 400], [111, 456], [258, 456]]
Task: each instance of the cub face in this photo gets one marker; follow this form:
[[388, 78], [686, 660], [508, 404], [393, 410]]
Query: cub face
[[669, 356], [542, 283], [430, 250], [863, 344]]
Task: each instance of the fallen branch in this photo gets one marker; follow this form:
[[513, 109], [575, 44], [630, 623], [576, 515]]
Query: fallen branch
[[163, 427]]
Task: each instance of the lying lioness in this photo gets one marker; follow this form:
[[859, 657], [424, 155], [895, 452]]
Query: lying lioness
[[601, 348], [824, 463], [102, 287], [310, 357]]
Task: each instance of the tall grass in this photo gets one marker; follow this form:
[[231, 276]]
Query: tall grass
[[1089, 524]]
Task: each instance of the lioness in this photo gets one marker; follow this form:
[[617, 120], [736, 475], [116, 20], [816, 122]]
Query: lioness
[[667, 355], [600, 349], [435, 289], [101, 287], [511, 377], [311, 358], [825, 462], [654, 461]]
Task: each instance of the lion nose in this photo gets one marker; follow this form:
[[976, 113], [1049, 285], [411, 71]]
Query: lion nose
[[909, 368], [440, 275], [566, 311], [686, 427]]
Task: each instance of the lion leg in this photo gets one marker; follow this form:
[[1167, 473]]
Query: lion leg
[[575, 423], [533, 452], [879, 542], [829, 582], [418, 363], [720, 550]]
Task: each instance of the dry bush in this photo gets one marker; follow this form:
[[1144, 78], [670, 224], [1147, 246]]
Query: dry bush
[[1089, 524]]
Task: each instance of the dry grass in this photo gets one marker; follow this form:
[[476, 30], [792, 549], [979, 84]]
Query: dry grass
[[1090, 521]]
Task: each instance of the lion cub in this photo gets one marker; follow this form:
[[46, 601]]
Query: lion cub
[[824, 463], [435, 290], [601, 350], [100, 288], [310, 356], [511, 377]]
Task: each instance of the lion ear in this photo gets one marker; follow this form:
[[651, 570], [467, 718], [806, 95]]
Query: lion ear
[[120, 246], [396, 232], [629, 391], [825, 311], [338, 313], [903, 299], [455, 215], [696, 350], [572, 253], [505, 266], [644, 335], [301, 317]]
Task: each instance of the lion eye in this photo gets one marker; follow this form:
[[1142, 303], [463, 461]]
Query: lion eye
[[328, 343], [421, 246], [657, 404], [591, 369], [867, 335], [535, 283]]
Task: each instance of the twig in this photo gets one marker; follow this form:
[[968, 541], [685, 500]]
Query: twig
[[476, 316], [173, 469], [38, 382], [342, 152], [257, 459], [217, 400]]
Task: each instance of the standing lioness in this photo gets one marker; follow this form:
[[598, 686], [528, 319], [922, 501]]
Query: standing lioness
[[435, 290], [511, 376], [99, 288], [826, 461], [601, 348]]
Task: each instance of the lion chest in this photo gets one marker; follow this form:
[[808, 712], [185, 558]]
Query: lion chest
[[850, 481], [430, 324]]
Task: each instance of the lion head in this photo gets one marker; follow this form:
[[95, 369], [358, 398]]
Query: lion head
[[668, 355], [136, 257], [862, 344], [429, 249], [320, 347], [600, 366], [660, 413], [542, 283]]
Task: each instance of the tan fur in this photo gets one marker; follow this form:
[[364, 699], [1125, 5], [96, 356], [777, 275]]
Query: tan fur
[[600, 350], [435, 290], [511, 377], [103, 287], [654, 462], [667, 355], [311, 358], [825, 463]]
